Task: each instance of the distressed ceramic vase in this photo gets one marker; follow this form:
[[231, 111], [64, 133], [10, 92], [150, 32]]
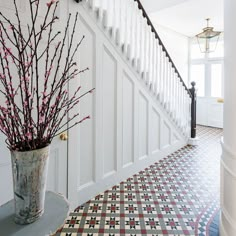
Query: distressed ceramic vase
[[29, 184]]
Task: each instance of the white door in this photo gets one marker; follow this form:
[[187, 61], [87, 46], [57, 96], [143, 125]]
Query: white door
[[209, 83], [57, 173]]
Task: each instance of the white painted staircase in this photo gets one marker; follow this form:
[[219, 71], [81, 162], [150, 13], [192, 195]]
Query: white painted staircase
[[127, 25], [141, 109]]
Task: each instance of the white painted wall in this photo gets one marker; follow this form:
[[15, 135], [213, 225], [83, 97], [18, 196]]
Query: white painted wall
[[57, 172], [178, 47]]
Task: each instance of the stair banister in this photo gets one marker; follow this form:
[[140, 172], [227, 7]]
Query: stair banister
[[128, 24], [160, 42]]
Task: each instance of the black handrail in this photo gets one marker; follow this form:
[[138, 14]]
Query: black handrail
[[145, 15]]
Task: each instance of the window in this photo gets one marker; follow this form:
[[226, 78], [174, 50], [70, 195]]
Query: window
[[195, 52], [198, 76], [219, 52], [216, 80], [206, 69]]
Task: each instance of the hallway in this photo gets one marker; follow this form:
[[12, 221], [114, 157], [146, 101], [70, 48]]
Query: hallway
[[178, 195]]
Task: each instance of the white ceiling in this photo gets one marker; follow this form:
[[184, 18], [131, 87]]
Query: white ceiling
[[156, 5], [186, 16]]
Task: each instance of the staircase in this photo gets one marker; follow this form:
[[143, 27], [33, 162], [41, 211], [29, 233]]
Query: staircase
[[129, 27], [141, 110]]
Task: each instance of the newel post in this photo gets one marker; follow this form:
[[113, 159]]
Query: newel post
[[193, 140], [193, 110]]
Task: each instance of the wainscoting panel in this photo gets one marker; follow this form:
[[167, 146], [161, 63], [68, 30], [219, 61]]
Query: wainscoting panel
[[155, 131], [85, 137], [143, 126], [128, 120], [166, 135], [109, 78]]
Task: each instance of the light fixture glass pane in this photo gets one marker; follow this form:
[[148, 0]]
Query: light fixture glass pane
[[196, 52], [216, 80], [198, 76]]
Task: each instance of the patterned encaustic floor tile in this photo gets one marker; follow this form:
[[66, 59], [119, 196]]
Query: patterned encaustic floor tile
[[178, 195]]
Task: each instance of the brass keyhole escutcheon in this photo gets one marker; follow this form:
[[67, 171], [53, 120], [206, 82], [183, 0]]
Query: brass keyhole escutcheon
[[63, 136]]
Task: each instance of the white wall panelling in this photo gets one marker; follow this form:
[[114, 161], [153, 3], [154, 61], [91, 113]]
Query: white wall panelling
[[131, 129], [128, 120], [109, 118]]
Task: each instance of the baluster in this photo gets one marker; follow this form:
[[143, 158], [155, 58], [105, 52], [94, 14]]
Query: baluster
[[164, 79], [119, 24], [168, 85], [166, 82], [185, 110], [135, 45], [180, 113], [136, 35], [157, 90], [95, 4], [115, 18], [126, 13], [182, 104], [101, 10], [174, 96], [141, 41], [130, 30], [145, 49], [173, 92], [177, 98], [142, 58], [180, 107], [175, 101], [169, 66], [92, 4], [107, 14], [161, 74], [149, 57], [154, 64]]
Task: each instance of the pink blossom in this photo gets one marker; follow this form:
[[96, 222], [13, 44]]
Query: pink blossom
[[2, 76], [28, 135], [28, 64], [41, 118], [50, 3], [44, 101]]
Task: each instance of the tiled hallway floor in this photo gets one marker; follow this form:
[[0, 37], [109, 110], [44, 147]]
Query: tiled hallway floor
[[178, 195]]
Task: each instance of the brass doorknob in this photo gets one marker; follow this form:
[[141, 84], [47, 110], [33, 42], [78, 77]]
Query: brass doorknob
[[64, 136]]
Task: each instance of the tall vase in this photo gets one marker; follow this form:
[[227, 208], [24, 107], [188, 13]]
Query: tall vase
[[29, 170]]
